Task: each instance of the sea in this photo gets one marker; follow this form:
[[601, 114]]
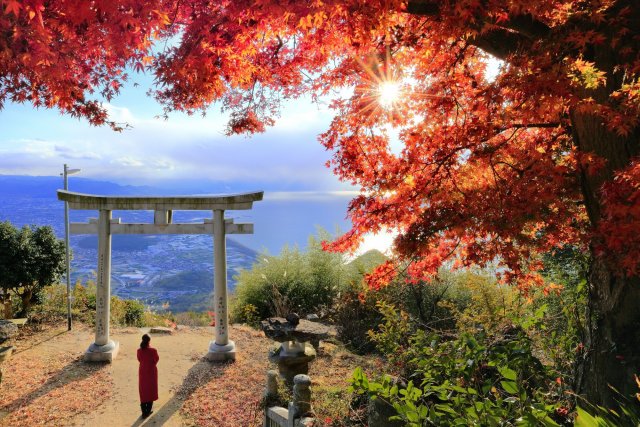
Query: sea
[[173, 272]]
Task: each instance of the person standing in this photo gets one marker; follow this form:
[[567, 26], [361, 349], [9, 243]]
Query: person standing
[[147, 375]]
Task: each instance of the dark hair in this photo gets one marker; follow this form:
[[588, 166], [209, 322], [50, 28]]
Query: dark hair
[[145, 341]]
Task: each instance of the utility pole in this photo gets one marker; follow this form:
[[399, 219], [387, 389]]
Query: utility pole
[[65, 176]]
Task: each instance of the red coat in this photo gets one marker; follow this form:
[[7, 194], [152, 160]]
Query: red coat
[[148, 374]]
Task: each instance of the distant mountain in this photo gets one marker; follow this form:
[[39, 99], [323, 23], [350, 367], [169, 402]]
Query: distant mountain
[[47, 186], [368, 260]]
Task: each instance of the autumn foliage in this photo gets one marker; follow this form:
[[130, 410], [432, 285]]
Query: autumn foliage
[[475, 167], [72, 54], [464, 165]]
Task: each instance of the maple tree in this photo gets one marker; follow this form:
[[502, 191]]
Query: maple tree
[[543, 155]]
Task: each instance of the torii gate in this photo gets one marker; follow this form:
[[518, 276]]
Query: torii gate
[[105, 349]]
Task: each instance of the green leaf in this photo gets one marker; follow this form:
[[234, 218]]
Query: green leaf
[[446, 408], [507, 373], [585, 419], [509, 386]]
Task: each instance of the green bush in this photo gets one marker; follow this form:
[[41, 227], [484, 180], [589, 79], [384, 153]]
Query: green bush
[[192, 318], [126, 312], [133, 313], [354, 313], [53, 307], [560, 341], [353, 310], [430, 305], [294, 281], [476, 379]]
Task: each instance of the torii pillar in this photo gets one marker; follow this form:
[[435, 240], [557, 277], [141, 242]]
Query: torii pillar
[[105, 349], [221, 348]]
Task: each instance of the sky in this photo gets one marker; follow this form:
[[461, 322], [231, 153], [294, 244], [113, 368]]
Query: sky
[[183, 152], [183, 149]]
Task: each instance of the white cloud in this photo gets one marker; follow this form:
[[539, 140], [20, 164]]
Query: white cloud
[[67, 152], [181, 148], [127, 161], [309, 195], [119, 114]]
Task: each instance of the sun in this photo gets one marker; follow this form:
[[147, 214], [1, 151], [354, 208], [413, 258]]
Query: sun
[[388, 93]]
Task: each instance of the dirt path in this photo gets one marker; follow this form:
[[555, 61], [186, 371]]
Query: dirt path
[[178, 354], [48, 383]]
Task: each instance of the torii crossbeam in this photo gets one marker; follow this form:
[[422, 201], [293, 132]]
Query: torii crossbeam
[[105, 349]]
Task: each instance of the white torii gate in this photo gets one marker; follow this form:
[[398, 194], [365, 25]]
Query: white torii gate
[[105, 349]]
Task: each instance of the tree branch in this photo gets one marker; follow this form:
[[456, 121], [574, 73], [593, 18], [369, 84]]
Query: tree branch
[[500, 43], [503, 40], [528, 26], [423, 8]]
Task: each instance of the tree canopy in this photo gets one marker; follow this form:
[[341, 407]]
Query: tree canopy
[[30, 259], [463, 166]]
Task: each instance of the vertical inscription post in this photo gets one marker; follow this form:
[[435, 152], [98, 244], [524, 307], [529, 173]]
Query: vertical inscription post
[[103, 291], [103, 349], [221, 348]]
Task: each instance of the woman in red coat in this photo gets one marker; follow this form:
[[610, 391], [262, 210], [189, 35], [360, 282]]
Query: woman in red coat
[[147, 376]]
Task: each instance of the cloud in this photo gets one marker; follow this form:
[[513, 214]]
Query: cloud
[[128, 162], [66, 152], [288, 196], [183, 148], [119, 114]]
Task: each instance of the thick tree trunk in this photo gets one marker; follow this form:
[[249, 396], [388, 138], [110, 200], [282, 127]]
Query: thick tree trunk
[[612, 347], [612, 355]]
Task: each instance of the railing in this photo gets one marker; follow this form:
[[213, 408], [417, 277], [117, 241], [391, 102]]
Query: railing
[[299, 411]]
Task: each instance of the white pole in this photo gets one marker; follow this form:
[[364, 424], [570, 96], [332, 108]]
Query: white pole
[[221, 348], [103, 291], [220, 278], [66, 243], [103, 349]]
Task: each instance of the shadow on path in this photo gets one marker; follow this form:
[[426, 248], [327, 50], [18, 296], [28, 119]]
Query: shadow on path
[[75, 371], [39, 343], [199, 375]]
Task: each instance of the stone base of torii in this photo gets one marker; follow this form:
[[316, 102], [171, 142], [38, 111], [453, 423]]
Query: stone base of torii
[[103, 348]]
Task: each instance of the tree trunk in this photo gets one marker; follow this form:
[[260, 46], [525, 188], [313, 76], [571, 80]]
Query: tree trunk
[[6, 301], [612, 347], [612, 355], [26, 296]]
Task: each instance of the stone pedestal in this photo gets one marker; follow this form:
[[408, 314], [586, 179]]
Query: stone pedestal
[[221, 353], [102, 353], [301, 404], [294, 353]]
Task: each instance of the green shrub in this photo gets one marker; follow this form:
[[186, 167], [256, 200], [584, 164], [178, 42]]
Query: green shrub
[[294, 281], [126, 312], [473, 380], [133, 313], [192, 318], [560, 341], [354, 313], [430, 305], [626, 413]]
